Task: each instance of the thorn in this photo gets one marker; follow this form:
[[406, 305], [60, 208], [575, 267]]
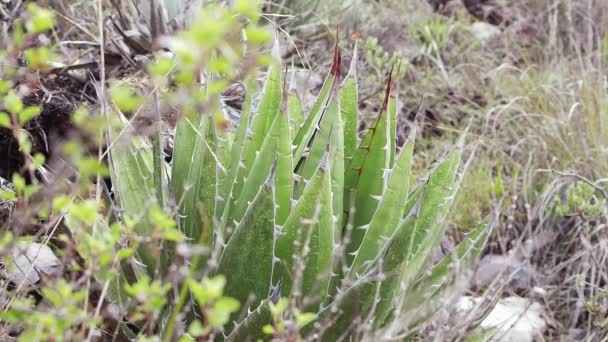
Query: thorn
[[385, 238], [376, 197], [364, 227]]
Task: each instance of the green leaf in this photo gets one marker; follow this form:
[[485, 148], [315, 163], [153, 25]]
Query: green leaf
[[305, 318], [131, 174], [262, 120], [426, 293], [5, 120], [219, 315], [309, 127], [41, 19], [258, 173], [412, 244], [348, 311], [365, 178], [238, 146], [246, 262], [388, 216], [248, 8], [284, 170], [308, 166], [392, 110], [336, 157], [349, 106], [310, 224], [251, 328], [119, 299], [125, 98], [12, 102], [438, 198], [195, 174], [27, 114], [393, 270]]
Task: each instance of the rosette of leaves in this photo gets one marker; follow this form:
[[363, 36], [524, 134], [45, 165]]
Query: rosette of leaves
[[294, 205], [290, 217]]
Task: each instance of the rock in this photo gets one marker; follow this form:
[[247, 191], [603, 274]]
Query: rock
[[29, 261], [484, 31], [493, 266], [514, 265], [515, 319]]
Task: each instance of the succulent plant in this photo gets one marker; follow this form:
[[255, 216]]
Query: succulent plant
[[294, 205], [283, 212]]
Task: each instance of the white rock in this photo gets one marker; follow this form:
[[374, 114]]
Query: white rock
[[516, 319], [484, 31], [29, 261]]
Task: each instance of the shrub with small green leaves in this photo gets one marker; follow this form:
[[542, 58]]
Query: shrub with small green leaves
[[578, 199]]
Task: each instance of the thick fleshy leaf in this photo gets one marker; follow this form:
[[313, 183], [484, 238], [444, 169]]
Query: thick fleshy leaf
[[308, 129], [349, 310], [262, 120], [246, 262], [195, 173], [392, 110], [251, 326], [425, 296], [412, 244], [394, 269], [349, 105], [238, 145], [355, 297], [387, 217], [366, 176], [308, 166], [259, 171], [284, 168], [133, 185], [336, 157], [307, 239], [437, 200]]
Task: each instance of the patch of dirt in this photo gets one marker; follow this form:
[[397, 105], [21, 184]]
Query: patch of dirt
[[58, 97]]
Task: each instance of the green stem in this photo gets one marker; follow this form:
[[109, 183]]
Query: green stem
[[183, 295]]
